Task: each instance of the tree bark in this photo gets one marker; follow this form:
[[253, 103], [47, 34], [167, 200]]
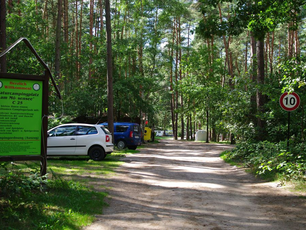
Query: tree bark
[[110, 116], [76, 40], [171, 82], [3, 67], [66, 24], [91, 24], [80, 37], [191, 130], [176, 77], [58, 40], [260, 98], [253, 107]]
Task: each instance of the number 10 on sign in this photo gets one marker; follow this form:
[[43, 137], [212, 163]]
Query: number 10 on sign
[[289, 101]]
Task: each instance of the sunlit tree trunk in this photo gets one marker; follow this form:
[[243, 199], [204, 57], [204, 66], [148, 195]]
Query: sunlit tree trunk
[[171, 47], [176, 21], [246, 55], [228, 55], [79, 44], [58, 40], [297, 44], [253, 75], [181, 77], [76, 37], [271, 52], [91, 24], [290, 40]]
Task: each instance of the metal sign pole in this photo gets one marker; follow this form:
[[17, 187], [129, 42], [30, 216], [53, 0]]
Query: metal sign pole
[[288, 135]]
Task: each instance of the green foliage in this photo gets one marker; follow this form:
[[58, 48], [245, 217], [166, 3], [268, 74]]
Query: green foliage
[[293, 73], [62, 199], [142, 42], [29, 201], [37, 203], [58, 119], [272, 160], [15, 185], [259, 17]]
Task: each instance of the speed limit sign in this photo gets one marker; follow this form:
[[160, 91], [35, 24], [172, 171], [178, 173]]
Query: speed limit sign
[[289, 101]]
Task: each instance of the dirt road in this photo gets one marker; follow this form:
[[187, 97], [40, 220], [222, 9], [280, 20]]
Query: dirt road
[[185, 185]]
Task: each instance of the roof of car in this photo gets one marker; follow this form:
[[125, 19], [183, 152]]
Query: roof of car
[[120, 123], [79, 124]]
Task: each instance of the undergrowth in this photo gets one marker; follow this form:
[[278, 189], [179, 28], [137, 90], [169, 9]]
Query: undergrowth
[[35, 202], [271, 161]]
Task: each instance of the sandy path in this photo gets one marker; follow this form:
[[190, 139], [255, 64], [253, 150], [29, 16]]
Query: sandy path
[[185, 185]]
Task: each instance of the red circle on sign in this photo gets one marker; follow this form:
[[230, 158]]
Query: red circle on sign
[[289, 101]]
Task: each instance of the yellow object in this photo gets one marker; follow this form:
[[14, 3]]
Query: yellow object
[[147, 134]]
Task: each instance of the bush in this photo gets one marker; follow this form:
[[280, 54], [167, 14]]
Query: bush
[[272, 160]]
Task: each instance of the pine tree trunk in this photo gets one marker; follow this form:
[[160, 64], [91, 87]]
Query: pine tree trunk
[[79, 44], [66, 24], [3, 67], [110, 116], [172, 103], [260, 98], [253, 107], [76, 42], [45, 17], [101, 19], [271, 53], [91, 22], [176, 78], [191, 130], [187, 128], [58, 40]]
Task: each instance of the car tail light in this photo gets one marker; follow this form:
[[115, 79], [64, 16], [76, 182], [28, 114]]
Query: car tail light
[[107, 138], [131, 133]]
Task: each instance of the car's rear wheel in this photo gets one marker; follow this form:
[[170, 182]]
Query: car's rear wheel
[[121, 145], [97, 153]]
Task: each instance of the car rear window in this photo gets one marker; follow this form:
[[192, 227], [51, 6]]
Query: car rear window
[[105, 130], [86, 130], [136, 128], [121, 128]]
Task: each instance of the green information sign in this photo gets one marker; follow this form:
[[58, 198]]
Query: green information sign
[[20, 117]]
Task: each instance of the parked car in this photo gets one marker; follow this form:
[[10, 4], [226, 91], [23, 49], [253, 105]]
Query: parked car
[[79, 139], [126, 134]]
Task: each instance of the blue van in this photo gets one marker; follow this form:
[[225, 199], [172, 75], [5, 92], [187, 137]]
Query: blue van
[[126, 134]]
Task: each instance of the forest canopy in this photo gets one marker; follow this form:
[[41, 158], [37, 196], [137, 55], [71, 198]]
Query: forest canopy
[[182, 65]]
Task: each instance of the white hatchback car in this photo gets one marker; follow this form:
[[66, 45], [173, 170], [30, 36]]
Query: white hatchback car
[[80, 139]]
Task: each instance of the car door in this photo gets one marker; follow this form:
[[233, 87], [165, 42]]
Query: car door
[[85, 137], [62, 140]]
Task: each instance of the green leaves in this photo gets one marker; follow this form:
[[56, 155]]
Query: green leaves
[[293, 74], [271, 160], [259, 17]]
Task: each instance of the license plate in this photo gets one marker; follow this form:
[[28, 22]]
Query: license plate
[[136, 136]]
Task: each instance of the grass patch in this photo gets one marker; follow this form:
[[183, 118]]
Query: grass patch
[[60, 205], [68, 197], [226, 156]]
